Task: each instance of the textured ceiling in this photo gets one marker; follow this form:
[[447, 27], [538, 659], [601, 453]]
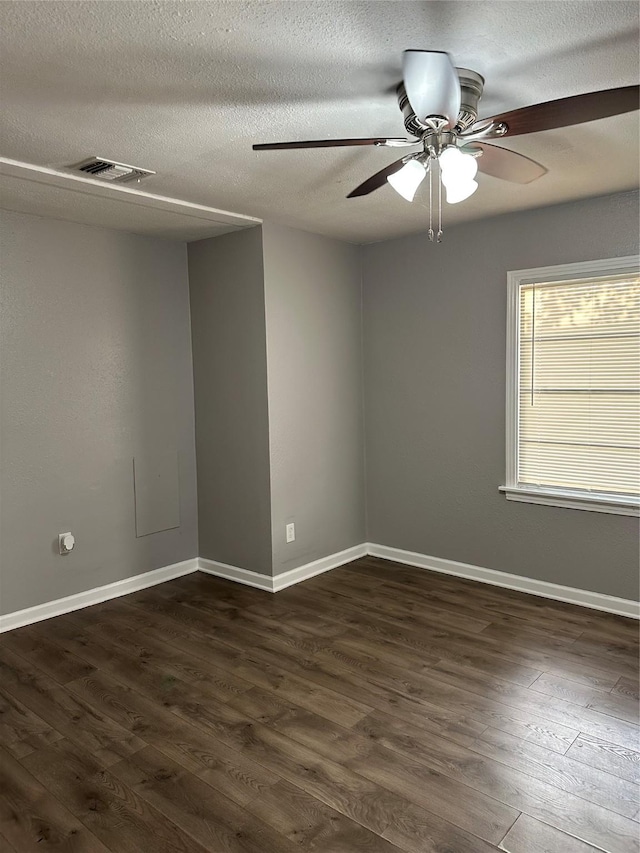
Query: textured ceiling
[[185, 88]]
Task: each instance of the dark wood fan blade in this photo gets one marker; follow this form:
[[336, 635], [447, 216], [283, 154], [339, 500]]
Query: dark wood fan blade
[[567, 111], [379, 179], [381, 141], [508, 165]]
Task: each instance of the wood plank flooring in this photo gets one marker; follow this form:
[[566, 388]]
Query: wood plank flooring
[[374, 708]]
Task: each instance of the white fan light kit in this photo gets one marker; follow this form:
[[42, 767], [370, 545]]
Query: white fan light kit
[[439, 103]]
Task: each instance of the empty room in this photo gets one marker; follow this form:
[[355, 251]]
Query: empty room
[[319, 426]]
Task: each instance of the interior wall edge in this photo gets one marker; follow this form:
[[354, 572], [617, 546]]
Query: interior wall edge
[[226, 286], [313, 319]]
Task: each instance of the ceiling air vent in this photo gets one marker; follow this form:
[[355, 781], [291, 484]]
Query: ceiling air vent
[[109, 170]]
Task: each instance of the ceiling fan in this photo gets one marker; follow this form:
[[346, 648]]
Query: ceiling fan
[[439, 103]]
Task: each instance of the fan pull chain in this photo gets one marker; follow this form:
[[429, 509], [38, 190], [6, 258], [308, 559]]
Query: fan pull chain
[[439, 234], [431, 234]]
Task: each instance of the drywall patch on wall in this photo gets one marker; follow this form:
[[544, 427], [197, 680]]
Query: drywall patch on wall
[[156, 485]]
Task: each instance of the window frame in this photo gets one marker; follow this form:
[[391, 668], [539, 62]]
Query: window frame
[[551, 495]]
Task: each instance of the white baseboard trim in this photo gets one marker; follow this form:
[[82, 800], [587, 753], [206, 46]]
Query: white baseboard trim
[[94, 596], [234, 573], [325, 564], [285, 579], [545, 589]]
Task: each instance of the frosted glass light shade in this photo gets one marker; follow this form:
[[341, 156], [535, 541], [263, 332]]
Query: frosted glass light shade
[[407, 180], [456, 164], [458, 173], [461, 191]]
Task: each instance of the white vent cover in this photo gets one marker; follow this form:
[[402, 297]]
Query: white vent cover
[[110, 170]]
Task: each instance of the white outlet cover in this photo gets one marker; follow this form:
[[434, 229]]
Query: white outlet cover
[[66, 542], [291, 532]]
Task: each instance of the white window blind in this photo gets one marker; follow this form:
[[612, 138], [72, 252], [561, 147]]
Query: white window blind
[[579, 408], [577, 385]]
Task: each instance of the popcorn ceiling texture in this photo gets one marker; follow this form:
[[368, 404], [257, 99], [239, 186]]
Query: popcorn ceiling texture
[[185, 89]]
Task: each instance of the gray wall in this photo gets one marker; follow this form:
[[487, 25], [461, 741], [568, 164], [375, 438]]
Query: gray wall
[[435, 321], [314, 358], [230, 376], [95, 370]]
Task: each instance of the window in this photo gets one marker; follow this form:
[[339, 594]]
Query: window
[[573, 386]]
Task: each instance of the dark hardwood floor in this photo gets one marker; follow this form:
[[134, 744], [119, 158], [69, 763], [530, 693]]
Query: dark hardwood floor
[[374, 708]]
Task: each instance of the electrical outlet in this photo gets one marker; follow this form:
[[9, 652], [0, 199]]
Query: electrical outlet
[[66, 543], [291, 532]]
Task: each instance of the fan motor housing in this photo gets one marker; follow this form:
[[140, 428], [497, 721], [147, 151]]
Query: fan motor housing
[[471, 87]]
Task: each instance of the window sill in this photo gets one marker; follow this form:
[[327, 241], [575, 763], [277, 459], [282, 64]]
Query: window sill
[[569, 499]]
